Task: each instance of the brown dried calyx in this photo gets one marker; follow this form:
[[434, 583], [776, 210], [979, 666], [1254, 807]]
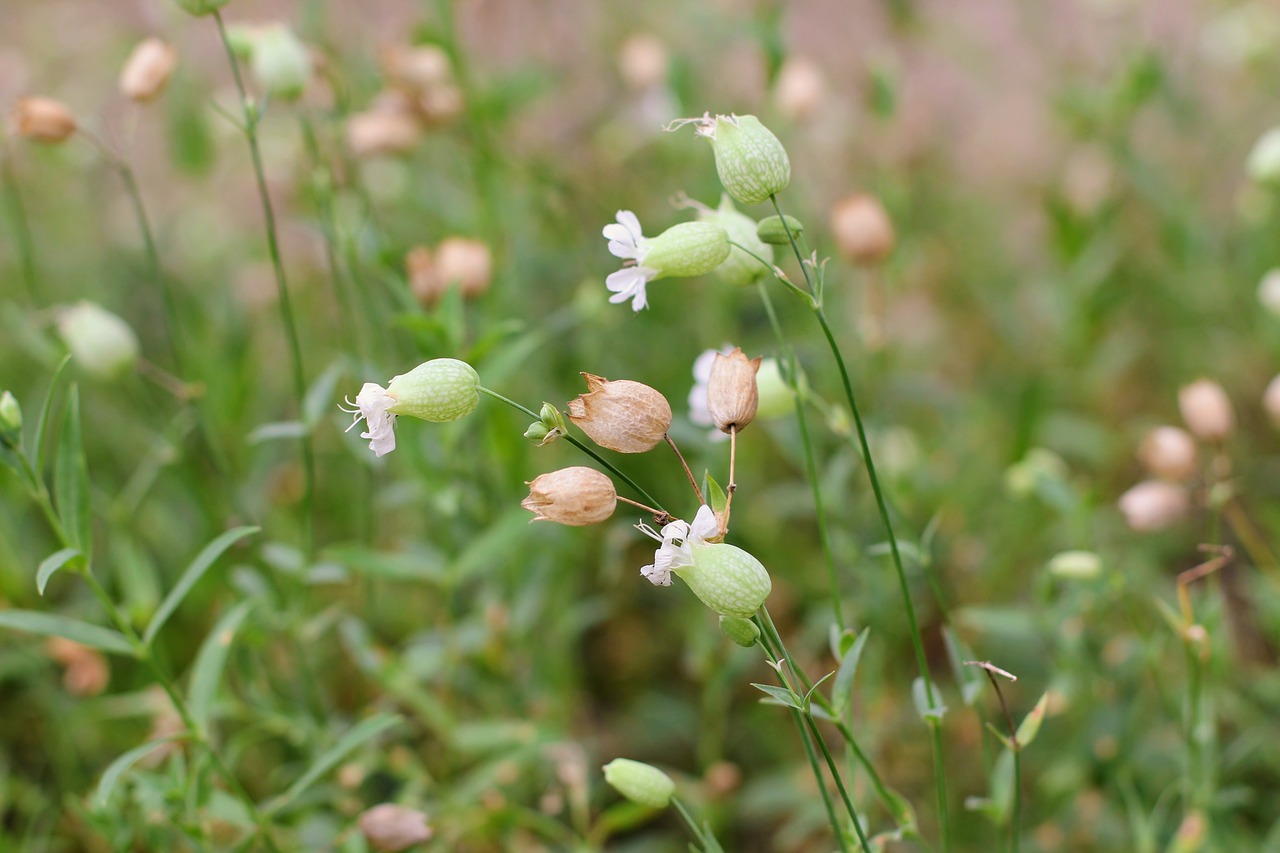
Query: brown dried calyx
[[622, 415], [732, 396], [43, 119], [575, 496]]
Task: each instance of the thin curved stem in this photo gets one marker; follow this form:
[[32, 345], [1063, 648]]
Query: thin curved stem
[[584, 448], [250, 128]]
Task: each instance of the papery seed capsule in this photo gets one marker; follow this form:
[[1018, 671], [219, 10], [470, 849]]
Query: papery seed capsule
[[1169, 452], [622, 415], [1154, 505], [576, 496], [1207, 410], [43, 119], [732, 395], [147, 70], [1271, 401], [639, 782], [390, 828], [862, 230]]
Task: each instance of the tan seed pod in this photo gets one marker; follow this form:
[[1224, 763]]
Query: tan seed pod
[[1207, 410], [1271, 401], [622, 415], [862, 230], [801, 88], [732, 395], [1169, 452], [468, 263], [147, 70], [575, 496], [87, 672], [417, 68], [43, 119], [1154, 505], [390, 127], [389, 827]]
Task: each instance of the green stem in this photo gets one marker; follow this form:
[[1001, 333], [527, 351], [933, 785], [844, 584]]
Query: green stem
[[917, 641], [584, 448], [250, 128], [835, 774], [810, 463], [688, 821]]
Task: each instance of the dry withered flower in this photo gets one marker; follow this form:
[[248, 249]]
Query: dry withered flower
[[862, 230], [732, 396], [43, 119], [576, 496], [147, 70], [622, 415]]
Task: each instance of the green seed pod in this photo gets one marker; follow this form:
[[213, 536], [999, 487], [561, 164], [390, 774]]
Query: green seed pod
[[690, 248], [202, 7], [727, 579], [281, 62], [742, 631], [750, 160], [739, 267], [771, 230], [101, 343], [640, 783], [443, 389]]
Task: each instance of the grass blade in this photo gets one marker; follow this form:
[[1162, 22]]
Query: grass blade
[[112, 775], [191, 576], [71, 478], [51, 564], [331, 757], [206, 672], [37, 440], [52, 625]]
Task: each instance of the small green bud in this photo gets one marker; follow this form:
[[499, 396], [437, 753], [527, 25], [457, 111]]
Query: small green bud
[[742, 631], [750, 160], [727, 579], [101, 343], [771, 230], [537, 432], [1076, 565], [280, 61], [10, 420], [690, 248], [1263, 163], [443, 389], [640, 783], [739, 267], [202, 7], [240, 39]]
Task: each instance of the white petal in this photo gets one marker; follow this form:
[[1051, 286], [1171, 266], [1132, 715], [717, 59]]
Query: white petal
[[704, 525], [699, 411], [702, 365], [372, 404], [631, 222], [628, 283]]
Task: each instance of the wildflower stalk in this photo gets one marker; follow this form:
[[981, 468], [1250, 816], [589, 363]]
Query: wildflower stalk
[[21, 227], [584, 448], [252, 116], [1015, 836], [39, 493], [815, 301], [685, 465]]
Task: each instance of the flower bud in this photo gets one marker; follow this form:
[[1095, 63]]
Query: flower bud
[[1169, 452], [742, 631], [690, 248], [280, 61], [622, 415], [726, 578], [1271, 401], [750, 160], [101, 343], [739, 267], [862, 230], [390, 828], [1154, 505], [1075, 565], [43, 119], [1263, 163], [1207, 410], [732, 396], [202, 7], [10, 419], [443, 389], [776, 396], [575, 496], [147, 70], [779, 230], [640, 783], [537, 432]]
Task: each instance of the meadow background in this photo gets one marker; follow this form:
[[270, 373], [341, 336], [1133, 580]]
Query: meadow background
[[1077, 237]]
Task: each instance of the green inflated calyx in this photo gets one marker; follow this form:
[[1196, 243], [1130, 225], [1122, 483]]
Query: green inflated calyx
[[750, 160], [690, 248], [739, 267], [443, 389], [639, 782], [726, 578]]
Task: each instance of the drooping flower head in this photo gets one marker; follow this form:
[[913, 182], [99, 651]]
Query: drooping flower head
[[687, 249], [443, 389]]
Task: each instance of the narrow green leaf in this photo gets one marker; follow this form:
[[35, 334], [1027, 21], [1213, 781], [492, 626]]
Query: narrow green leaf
[[111, 776], [842, 687], [194, 572], [780, 694], [206, 672], [970, 678], [277, 431], [37, 441], [51, 564], [330, 758], [713, 494], [920, 696], [809, 693], [1030, 726], [418, 565], [52, 625], [71, 478]]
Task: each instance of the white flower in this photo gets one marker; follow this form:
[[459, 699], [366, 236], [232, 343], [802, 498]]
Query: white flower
[[699, 413], [371, 406], [626, 241], [676, 537]]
